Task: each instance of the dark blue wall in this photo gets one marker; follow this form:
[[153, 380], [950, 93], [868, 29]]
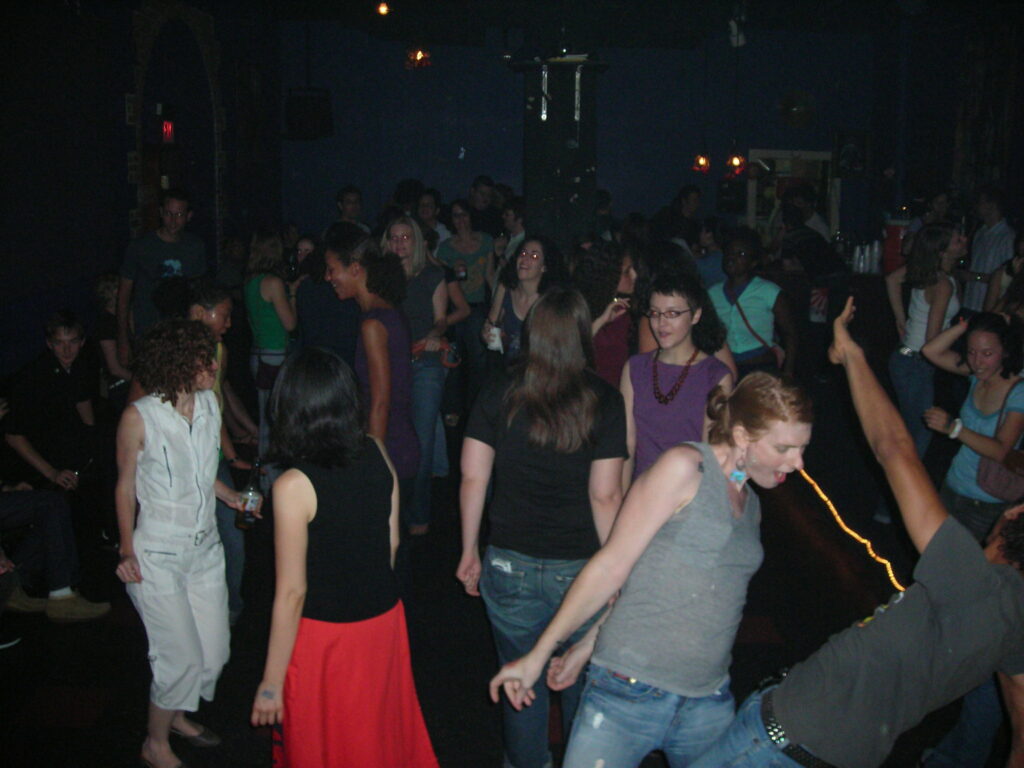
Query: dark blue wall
[[392, 123]]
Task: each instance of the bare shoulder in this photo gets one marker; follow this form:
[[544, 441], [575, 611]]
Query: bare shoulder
[[293, 480]]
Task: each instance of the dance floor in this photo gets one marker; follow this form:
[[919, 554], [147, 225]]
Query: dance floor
[[75, 695]]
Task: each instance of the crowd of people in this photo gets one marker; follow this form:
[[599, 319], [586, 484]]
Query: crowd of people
[[616, 400]]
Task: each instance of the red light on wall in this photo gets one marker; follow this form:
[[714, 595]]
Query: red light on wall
[[167, 131]]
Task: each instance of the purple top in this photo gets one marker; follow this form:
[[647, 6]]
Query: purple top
[[659, 426], [401, 442]]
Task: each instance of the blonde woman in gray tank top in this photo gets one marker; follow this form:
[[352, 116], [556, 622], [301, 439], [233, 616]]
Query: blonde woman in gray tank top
[[682, 550]]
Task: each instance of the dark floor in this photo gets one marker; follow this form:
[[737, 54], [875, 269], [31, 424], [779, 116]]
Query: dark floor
[[76, 695]]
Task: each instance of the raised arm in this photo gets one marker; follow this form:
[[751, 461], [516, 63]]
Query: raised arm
[[888, 438], [939, 351]]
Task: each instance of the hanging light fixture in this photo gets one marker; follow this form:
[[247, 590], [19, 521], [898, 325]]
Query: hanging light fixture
[[701, 163], [383, 9], [736, 163]]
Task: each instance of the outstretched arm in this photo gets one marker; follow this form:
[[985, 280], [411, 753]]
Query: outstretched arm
[[918, 501]]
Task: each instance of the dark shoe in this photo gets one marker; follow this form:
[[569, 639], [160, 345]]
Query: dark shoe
[[19, 602], [205, 737], [74, 608]]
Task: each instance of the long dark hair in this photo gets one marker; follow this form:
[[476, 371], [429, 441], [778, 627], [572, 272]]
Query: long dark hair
[[597, 274], [550, 384], [925, 255], [555, 272], [314, 409]]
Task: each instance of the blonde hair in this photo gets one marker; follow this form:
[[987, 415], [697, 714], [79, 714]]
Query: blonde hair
[[758, 400], [419, 245]]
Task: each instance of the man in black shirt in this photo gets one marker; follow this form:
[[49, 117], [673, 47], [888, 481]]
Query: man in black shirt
[[50, 426], [485, 217]]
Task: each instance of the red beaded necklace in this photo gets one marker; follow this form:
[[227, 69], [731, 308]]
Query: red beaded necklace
[[661, 397]]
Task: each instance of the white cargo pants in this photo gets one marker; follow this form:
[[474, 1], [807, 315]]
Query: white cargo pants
[[183, 603]]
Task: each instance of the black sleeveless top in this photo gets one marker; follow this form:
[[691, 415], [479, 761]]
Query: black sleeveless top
[[348, 558]]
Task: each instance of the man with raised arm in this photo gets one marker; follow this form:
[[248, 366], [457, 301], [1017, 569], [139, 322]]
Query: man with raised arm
[[961, 620]]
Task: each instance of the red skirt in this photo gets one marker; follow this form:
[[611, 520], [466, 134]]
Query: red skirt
[[350, 700]]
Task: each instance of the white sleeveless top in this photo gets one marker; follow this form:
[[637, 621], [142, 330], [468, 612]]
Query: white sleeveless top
[[177, 466], [917, 316]]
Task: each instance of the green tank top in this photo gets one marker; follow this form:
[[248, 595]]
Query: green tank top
[[267, 331]]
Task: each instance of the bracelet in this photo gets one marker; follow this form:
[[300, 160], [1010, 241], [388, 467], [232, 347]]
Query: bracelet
[[954, 433]]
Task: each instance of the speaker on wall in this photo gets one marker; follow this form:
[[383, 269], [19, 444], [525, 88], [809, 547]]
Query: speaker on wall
[[308, 113]]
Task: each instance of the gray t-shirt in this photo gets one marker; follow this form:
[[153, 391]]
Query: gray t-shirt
[[961, 620], [419, 303], [148, 260], [674, 624]]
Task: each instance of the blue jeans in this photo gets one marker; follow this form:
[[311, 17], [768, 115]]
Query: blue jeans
[[976, 516], [745, 744], [522, 594], [233, 540], [913, 378], [621, 720], [970, 742], [427, 389]]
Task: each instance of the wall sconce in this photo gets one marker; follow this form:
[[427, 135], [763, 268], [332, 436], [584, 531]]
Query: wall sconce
[[701, 163], [383, 9], [417, 58], [736, 163]]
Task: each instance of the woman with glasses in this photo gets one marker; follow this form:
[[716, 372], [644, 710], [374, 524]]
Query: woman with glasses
[[536, 266], [426, 308], [553, 436], [666, 391]]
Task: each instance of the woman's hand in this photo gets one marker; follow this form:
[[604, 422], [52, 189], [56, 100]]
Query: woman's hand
[[517, 678], [615, 308], [938, 420], [842, 343], [431, 343], [268, 706], [128, 570], [564, 670], [65, 478], [468, 573]]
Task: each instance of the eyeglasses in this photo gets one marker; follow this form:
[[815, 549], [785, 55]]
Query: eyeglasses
[[399, 238], [174, 214], [531, 254], [668, 314]]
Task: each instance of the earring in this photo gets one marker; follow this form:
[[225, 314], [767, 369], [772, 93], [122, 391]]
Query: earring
[[739, 475]]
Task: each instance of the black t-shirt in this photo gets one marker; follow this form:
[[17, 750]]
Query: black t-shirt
[[44, 399], [541, 504], [960, 621], [488, 220], [348, 558]]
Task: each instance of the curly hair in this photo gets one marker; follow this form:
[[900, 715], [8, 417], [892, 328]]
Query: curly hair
[[385, 276], [170, 356], [759, 399], [597, 274]]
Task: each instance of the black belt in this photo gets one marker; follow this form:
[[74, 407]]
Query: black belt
[[777, 734]]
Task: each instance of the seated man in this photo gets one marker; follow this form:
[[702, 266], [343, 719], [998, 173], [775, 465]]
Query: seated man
[[51, 421], [960, 621], [45, 558]]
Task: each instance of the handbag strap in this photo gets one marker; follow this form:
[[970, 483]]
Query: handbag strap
[[749, 326]]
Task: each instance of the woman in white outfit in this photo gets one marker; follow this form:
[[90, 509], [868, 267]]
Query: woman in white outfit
[[171, 557]]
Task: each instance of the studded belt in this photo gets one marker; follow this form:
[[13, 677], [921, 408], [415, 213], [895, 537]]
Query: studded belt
[[777, 734]]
